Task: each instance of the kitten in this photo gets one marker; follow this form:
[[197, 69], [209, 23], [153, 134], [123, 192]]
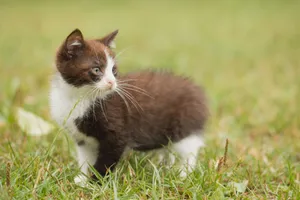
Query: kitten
[[106, 113]]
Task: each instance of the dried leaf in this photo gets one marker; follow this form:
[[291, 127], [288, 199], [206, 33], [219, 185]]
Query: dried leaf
[[32, 124], [218, 194], [240, 187]]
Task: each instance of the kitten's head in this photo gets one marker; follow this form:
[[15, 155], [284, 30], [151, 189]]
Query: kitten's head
[[88, 63]]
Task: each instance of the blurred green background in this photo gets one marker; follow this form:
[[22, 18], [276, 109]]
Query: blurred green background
[[245, 53]]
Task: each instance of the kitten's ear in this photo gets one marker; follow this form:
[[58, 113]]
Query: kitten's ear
[[74, 43], [108, 40]]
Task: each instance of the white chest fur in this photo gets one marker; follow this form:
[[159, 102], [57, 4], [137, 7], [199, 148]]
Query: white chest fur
[[67, 104]]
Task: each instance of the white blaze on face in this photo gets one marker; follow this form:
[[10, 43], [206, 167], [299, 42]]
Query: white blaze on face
[[108, 74], [108, 81]]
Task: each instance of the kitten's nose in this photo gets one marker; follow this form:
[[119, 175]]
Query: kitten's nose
[[110, 84]]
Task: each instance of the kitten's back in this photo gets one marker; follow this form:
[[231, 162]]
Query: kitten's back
[[171, 107]]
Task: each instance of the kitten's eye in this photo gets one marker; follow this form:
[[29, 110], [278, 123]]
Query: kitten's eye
[[114, 70], [96, 71]]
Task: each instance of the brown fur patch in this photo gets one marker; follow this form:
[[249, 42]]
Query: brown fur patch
[[75, 62]]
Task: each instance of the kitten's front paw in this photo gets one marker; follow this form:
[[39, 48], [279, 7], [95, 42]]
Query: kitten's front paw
[[81, 180]]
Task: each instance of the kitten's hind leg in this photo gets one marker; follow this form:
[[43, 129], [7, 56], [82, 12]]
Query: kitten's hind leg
[[187, 149], [165, 157], [171, 160], [161, 154], [169, 157]]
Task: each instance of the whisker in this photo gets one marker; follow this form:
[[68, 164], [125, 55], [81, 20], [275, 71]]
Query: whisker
[[102, 107], [127, 80], [121, 52], [136, 90], [124, 99], [96, 98], [131, 98], [91, 93], [87, 94], [136, 87], [102, 104]]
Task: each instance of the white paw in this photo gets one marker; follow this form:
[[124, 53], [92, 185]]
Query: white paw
[[171, 161], [183, 174], [81, 180], [160, 159]]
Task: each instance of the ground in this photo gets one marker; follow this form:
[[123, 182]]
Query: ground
[[245, 54]]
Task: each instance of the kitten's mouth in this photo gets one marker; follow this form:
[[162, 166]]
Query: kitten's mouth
[[110, 88], [111, 85], [106, 90]]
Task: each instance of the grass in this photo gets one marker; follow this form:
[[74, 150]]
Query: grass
[[245, 54]]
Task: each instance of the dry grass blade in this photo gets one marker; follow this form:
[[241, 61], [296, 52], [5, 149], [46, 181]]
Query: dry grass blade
[[220, 164], [225, 152], [223, 159], [8, 179], [38, 178], [8, 168]]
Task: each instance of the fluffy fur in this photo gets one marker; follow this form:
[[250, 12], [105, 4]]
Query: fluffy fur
[[106, 113]]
